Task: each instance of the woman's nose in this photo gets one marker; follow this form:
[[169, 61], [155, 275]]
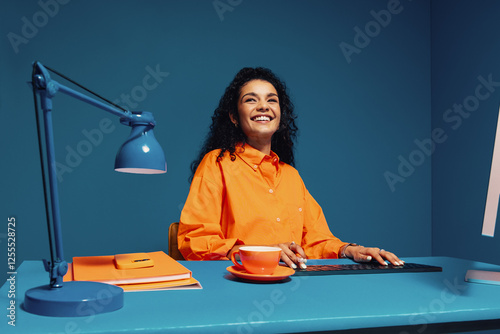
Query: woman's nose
[[263, 106]]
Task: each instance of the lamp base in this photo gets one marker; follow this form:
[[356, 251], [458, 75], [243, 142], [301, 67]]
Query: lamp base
[[74, 299]]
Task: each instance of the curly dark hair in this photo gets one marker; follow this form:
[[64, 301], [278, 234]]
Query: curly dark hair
[[225, 136]]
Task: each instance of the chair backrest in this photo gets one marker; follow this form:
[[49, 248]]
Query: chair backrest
[[173, 247]]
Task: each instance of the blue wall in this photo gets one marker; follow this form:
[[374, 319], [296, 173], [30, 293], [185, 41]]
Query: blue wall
[[358, 72], [465, 55]]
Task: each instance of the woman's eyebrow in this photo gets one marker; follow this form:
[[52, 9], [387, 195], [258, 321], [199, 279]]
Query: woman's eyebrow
[[255, 95], [251, 93]]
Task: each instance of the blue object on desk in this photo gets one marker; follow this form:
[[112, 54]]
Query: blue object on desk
[[67, 302], [141, 153]]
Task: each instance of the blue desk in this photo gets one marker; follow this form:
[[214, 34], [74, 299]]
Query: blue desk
[[388, 302]]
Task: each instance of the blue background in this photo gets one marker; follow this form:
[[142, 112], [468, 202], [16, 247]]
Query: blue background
[[464, 48], [360, 115]]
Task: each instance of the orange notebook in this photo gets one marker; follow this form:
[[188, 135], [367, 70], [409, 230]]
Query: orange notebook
[[183, 284], [104, 269]]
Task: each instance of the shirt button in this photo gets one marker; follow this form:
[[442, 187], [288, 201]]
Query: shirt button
[[277, 219], [270, 191], [300, 209], [255, 166]]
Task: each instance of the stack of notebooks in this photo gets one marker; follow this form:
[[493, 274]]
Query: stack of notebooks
[[133, 272]]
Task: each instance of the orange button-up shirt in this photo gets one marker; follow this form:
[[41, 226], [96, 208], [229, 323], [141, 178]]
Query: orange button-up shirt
[[253, 200]]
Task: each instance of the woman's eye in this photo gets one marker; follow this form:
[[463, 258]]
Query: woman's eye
[[250, 100]]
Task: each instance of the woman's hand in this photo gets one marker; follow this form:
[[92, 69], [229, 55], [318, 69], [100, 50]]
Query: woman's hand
[[293, 255], [366, 254]]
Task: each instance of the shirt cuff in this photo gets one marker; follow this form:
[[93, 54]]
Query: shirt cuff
[[334, 250]]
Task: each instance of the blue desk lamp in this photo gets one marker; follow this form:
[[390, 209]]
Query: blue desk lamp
[[141, 153]]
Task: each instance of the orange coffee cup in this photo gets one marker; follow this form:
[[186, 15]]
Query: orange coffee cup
[[260, 260]]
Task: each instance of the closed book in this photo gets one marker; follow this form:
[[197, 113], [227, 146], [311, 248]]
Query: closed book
[[104, 269], [182, 284]]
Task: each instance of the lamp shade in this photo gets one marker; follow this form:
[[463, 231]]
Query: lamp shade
[[141, 153]]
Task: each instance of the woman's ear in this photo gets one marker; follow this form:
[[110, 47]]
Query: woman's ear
[[233, 119]]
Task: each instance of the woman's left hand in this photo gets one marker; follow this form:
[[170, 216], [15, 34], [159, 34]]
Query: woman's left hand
[[366, 254]]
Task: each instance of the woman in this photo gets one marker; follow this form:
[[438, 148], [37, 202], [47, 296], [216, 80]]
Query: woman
[[245, 190]]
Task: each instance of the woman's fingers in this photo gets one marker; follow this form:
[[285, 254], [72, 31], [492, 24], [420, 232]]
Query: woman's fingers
[[366, 254], [293, 255]]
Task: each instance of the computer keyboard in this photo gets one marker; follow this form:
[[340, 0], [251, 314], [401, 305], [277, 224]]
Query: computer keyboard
[[364, 268]]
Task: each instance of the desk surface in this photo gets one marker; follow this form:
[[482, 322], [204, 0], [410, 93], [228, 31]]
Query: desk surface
[[299, 304]]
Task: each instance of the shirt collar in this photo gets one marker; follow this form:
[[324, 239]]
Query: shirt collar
[[252, 156]]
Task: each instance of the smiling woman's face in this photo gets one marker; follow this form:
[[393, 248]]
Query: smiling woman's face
[[259, 112]]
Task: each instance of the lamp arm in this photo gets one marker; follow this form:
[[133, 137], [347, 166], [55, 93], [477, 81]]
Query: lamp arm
[[51, 87]]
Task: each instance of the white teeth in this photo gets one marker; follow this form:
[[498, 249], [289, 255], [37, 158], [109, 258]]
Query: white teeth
[[262, 118]]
